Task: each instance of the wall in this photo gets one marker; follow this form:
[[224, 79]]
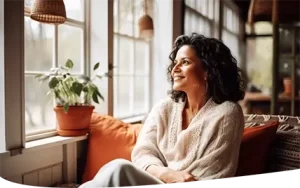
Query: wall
[[47, 166]]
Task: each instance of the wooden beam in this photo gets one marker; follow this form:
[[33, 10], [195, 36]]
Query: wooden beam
[[293, 73], [275, 67], [258, 35]]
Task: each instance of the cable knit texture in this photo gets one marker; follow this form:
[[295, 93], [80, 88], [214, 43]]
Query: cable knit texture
[[208, 148]]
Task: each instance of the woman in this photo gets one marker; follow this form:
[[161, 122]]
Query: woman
[[194, 134]]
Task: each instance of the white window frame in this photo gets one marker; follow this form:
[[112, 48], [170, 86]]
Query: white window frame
[[85, 58], [132, 74], [235, 30], [193, 10], [235, 10], [13, 83], [99, 46]]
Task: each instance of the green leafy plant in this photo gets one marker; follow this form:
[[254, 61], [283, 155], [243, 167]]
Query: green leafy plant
[[71, 90]]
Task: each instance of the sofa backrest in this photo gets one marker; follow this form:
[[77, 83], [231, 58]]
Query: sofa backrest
[[285, 152]]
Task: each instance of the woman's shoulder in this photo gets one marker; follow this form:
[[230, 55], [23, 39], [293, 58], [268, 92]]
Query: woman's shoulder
[[229, 108], [164, 104]]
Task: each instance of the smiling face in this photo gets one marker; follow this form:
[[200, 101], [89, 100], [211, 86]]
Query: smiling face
[[188, 72]]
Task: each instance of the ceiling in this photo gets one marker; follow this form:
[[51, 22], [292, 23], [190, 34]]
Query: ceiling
[[289, 10], [244, 6]]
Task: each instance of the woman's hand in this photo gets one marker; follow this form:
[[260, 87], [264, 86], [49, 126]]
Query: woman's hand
[[172, 176], [168, 175]]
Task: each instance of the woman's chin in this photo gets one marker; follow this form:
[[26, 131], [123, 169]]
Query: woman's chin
[[177, 88]]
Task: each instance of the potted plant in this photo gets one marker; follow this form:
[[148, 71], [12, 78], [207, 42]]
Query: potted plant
[[73, 98]]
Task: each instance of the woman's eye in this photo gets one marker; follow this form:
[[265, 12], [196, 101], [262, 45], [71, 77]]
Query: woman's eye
[[185, 62]]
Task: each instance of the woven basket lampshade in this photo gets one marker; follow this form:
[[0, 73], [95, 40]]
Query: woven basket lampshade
[[49, 11], [145, 26]]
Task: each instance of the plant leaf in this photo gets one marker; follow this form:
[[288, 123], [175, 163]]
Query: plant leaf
[[44, 78], [49, 92], [96, 66], [85, 89], [66, 107], [39, 75], [77, 88], [100, 95], [99, 76], [53, 82], [69, 64], [84, 78], [95, 97]]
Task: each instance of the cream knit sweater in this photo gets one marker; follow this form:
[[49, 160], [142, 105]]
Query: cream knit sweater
[[208, 148]]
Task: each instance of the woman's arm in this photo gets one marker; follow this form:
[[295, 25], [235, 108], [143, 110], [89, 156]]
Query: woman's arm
[[169, 176], [146, 151], [220, 158]]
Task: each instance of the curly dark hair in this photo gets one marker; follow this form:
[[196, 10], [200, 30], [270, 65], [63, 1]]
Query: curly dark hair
[[223, 75]]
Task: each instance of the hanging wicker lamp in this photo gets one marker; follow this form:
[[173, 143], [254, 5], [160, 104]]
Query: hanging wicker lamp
[[49, 11], [145, 24]]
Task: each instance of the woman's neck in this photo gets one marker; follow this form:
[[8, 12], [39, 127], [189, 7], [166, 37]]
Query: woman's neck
[[195, 102]]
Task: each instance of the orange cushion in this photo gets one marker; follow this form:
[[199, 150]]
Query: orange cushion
[[109, 139], [255, 146]]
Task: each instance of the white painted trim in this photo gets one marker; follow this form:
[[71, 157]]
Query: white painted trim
[[30, 161], [50, 142], [2, 80], [134, 119], [14, 83], [70, 163]]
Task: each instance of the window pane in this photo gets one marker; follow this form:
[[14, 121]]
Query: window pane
[[116, 52], [141, 57], [28, 3], [261, 28], [122, 106], [259, 61], [126, 17], [285, 40], [232, 42], [190, 3], [202, 7], [75, 9], [116, 18], [70, 46], [39, 114], [140, 95], [211, 9], [187, 22], [138, 12], [38, 45], [125, 55], [200, 25]]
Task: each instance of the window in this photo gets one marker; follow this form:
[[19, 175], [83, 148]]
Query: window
[[48, 46], [131, 61], [231, 31], [199, 17], [259, 56]]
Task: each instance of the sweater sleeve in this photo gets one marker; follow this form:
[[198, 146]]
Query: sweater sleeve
[[146, 151], [222, 152]]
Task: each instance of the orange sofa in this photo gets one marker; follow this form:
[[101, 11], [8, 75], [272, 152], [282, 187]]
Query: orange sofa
[[270, 143]]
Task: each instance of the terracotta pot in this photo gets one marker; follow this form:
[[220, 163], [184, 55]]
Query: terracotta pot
[[75, 122], [287, 84]]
